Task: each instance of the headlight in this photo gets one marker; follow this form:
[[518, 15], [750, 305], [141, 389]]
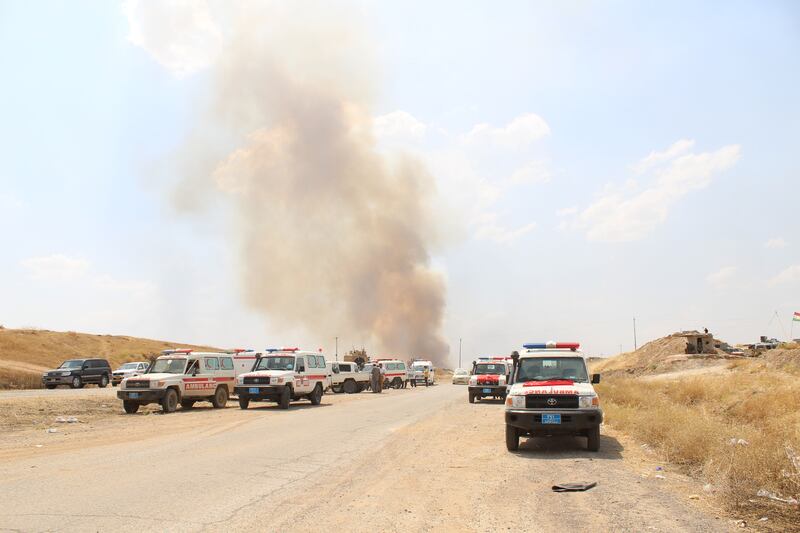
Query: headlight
[[279, 380], [240, 381], [585, 402], [516, 400], [66, 373], [473, 380], [501, 380], [157, 384]]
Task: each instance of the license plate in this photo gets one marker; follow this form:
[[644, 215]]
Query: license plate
[[133, 395], [487, 391], [253, 390], [551, 419]]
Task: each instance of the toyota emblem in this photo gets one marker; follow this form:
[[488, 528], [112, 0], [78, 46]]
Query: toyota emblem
[[552, 401]]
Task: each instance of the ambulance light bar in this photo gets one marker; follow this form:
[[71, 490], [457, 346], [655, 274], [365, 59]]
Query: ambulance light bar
[[285, 349], [170, 352], [552, 345]]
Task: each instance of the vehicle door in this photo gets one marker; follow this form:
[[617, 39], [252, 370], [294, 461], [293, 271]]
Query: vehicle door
[[227, 373], [90, 371], [324, 377], [197, 380], [300, 375]]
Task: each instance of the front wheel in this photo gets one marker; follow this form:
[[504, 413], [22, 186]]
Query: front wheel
[[130, 407], [316, 395], [103, 381], [471, 397], [170, 401], [220, 398], [76, 382], [286, 397], [593, 439], [350, 386], [512, 438], [244, 403]]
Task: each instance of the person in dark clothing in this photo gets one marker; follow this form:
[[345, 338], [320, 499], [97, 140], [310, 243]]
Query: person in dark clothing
[[375, 379]]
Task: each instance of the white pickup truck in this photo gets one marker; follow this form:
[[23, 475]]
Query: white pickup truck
[[283, 375], [347, 377]]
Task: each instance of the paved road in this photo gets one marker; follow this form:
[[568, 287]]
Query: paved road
[[201, 478]]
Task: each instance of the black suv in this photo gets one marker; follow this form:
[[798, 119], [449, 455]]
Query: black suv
[[78, 372]]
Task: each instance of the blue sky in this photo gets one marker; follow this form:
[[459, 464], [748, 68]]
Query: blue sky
[[557, 226]]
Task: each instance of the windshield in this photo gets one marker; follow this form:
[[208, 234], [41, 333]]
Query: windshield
[[543, 368], [77, 363], [129, 366], [169, 366], [490, 368], [275, 363], [460, 372]]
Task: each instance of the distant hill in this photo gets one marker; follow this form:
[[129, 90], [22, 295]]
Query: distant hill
[[25, 353]]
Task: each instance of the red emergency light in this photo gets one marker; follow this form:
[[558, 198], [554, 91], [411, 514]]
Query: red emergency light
[[286, 349]]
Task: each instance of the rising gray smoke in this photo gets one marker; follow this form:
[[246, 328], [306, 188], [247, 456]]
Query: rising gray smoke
[[334, 235]]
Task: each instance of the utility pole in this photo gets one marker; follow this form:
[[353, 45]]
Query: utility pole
[[635, 346], [459, 352], [337, 349]]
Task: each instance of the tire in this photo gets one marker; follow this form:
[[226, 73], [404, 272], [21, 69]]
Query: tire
[[286, 398], [187, 404], [76, 383], [593, 439], [397, 383], [50, 386], [103, 381], [130, 407], [350, 386], [244, 403], [220, 398], [169, 403], [471, 397], [316, 395], [360, 387], [512, 438], [337, 389]]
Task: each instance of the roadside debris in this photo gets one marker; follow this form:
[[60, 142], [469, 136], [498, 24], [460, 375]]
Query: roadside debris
[[740, 523], [763, 493], [738, 442], [66, 420], [659, 476], [52, 430], [574, 487], [694, 496]]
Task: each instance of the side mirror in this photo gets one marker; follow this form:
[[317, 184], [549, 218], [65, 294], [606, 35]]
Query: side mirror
[[85, 366], [595, 378]]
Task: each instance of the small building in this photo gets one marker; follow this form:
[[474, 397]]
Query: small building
[[697, 342]]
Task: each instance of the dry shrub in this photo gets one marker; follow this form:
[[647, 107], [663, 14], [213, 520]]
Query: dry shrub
[[739, 430], [16, 379]]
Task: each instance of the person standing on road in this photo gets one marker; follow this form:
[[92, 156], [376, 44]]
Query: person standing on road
[[375, 379], [427, 374]]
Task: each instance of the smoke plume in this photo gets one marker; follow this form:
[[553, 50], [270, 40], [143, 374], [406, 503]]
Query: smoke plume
[[334, 235]]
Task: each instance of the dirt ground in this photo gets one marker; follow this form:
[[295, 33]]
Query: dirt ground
[[443, 469]]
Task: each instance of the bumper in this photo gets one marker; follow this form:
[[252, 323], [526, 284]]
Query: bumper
[[142, 396], [118, 379], [265, 392], [56, 380], [573, 421], [488, 390]]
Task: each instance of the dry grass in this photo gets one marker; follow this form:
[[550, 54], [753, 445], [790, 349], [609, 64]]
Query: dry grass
[[19, 379], [693, 422]]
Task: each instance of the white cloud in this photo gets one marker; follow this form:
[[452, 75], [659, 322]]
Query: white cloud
[[399, 126], [629, 213], [519, 133], [9, 202], [179, 34], [55, 267], [722, 277], [788, 276], [776, 242], [533, 172], [567, 211], [655, 158], [490, 229]]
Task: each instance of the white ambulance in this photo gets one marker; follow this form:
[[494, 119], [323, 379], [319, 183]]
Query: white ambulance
[[395, 373], [185, 377], [490, 376], [417, 371], [551, 393], [282, 375]]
